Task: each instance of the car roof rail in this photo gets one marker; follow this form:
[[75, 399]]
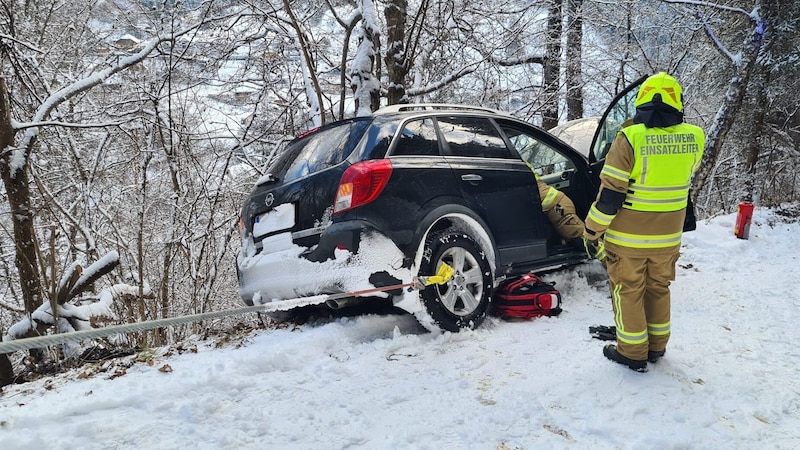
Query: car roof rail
[[435, 106]]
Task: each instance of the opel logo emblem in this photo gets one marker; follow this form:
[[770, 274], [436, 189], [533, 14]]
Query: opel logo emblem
[[269, 199]]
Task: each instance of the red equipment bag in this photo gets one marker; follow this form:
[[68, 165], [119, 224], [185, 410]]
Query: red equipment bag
[[526, 296]]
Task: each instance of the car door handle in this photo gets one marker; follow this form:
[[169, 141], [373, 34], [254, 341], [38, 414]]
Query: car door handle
[[471, 177]]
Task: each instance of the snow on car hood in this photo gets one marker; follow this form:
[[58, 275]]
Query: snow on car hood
[[577, 133]]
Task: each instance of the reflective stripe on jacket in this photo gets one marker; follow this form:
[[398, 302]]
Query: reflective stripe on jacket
[[549, 200], [547, 193]]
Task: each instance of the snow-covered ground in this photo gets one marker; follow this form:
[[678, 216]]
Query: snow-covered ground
[[730, 379]]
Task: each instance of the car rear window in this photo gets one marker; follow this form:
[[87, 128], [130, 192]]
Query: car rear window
[[318, 151]]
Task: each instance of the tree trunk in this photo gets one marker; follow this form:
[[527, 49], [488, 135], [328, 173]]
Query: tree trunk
[[364, 81], [395, 13], [6, 370], [14, 172], [753, 150], [552, 63], [574, 59], [343, 73], [6, 142]]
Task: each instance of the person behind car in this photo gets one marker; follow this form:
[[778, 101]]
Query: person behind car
[[638, 217]]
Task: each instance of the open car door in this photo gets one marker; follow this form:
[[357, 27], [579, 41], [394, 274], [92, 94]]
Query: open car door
[[621, 109]]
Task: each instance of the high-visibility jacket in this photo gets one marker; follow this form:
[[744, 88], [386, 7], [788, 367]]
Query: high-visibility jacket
[[652, 168], [665, 160]]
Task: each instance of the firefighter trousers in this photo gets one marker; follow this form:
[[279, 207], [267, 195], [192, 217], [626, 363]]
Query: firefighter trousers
[[641, 298]]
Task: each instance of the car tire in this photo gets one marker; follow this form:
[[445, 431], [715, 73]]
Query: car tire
[[461, 302]]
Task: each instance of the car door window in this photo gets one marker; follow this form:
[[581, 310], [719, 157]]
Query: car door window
[[418, 138], [622, 108], [474, 137], [617, 115], [543, 158]]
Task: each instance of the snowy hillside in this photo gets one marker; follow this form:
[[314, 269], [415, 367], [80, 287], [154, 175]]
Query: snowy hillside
[[730, 378]]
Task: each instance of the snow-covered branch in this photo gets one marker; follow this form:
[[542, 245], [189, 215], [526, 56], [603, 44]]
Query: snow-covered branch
[[17, 41], [753, 15], [444, 81], [17, 126], [709, 5], [743, 65], [510, 62], [10, 307], [346, 23], [83, 85], [717, 43], [71, 317], [92, 273]]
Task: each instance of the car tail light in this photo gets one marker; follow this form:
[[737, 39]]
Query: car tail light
[[361, 183]]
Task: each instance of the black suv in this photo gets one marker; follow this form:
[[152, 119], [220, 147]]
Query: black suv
[[376, 201]]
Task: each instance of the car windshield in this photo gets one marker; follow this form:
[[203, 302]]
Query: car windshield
[[318, 151]]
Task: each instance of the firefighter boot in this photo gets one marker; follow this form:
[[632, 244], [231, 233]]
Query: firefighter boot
[[610, 352], [654, 355]]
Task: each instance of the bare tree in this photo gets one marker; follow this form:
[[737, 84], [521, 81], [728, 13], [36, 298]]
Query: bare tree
[[574, 60], [6, 140], [552, 65], [755, 160], [396, 57], [349, 25], [58, 121], [364, 81], [742, 65], [310, 69]]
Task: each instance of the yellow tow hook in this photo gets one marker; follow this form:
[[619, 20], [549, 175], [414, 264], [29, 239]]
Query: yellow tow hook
[[443, 275]]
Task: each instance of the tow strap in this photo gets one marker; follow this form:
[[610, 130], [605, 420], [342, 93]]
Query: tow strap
[[443, 275]]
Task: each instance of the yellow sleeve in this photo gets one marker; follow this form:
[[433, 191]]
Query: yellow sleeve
[[615, 177]]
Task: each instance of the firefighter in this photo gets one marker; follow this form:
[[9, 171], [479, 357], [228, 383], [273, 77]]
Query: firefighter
[[560, 211], [637, 218]]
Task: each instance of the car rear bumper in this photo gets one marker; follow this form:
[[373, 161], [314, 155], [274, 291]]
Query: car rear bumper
[[345, 259]]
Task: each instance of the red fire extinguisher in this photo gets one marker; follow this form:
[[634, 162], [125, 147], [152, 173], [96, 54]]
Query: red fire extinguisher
[[743, 219]]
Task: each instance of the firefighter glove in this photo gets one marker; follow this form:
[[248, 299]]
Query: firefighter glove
[[595, 249]]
